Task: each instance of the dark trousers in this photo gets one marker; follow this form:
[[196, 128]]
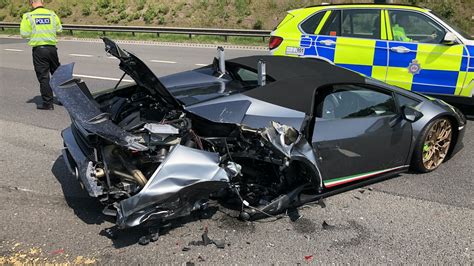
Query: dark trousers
[[46, 61]]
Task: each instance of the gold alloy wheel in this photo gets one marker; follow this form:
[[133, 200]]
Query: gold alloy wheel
[[437, 143]]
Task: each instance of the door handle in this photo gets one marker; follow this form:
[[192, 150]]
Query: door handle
[[400, 49], [327, 42]]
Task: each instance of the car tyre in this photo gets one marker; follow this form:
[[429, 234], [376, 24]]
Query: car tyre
[[433, 145]]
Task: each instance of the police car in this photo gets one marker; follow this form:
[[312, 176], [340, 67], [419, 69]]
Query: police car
[[406, 46]]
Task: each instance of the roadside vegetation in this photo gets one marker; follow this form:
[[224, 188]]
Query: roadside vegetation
[[247, 14]]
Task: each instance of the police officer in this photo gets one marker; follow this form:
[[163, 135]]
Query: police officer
[[399, 29], [40, 27]]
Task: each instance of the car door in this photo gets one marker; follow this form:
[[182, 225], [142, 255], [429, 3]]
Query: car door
[[358, 132], [351, 38], [418, 59]]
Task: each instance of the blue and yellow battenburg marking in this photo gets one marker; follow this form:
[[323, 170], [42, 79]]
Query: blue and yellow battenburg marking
[[427, 68]]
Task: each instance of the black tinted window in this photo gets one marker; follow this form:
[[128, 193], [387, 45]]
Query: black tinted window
[[333, 24], [309, 26], [351, 101], [361, 23]]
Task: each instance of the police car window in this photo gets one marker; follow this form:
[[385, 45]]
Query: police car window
[[333, 24], [415, 27], [352, 101], [361, 23], [309, 26]]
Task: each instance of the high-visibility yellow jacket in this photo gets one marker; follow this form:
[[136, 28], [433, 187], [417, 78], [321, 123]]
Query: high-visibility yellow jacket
[[399, 34], [40, 26]]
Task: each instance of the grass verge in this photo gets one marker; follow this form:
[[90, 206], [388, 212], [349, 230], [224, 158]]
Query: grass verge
[[179, 38]]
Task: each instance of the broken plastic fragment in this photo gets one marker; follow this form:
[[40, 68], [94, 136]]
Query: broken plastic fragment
[[154, 234], [293, 214], [205, 238], [144, 240], [327, 226], [219, 243], [57, 251], [308, 258], [321, 203], [206, 241]]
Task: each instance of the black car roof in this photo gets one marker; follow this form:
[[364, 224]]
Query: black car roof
[[284, 67], [296, 79]]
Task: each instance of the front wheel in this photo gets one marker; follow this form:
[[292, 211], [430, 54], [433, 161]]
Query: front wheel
[[433, 146]]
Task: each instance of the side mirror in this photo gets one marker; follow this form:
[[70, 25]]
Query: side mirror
[[411, 114], [450, 39]]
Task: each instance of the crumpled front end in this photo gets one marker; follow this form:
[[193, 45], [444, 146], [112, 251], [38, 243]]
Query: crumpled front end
[[181, 184]]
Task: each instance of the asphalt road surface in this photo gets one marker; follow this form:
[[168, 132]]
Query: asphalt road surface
[[46, 217]]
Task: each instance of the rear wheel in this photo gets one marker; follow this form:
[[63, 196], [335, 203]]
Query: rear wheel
[[433, 146]]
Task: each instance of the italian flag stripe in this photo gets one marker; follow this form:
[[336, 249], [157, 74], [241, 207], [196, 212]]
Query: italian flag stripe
[[343, 180]]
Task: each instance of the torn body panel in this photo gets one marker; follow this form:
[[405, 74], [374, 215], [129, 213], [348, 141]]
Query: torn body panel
[[184, 180]]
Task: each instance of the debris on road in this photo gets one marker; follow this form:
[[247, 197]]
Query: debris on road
[[293, 214], [308, 258], [321, 203], [144, 240], [206, 241], [327, 226], [57, 251]]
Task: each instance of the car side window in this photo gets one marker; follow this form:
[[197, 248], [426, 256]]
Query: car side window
[[332, 27], [354, 101], [406, 101], [361, 23], [309, 25], [410, 26], [246, 75]]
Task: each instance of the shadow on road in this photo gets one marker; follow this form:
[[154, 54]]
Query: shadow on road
[[86, 208], [468, 111], [36, 100]]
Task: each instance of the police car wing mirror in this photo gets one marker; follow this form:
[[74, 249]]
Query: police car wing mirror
[[411, 114], [450, 39]]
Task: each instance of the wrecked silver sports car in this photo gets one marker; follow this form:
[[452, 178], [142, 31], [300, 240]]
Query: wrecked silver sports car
[[273, 133]]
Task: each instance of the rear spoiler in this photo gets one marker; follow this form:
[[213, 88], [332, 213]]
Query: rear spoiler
[[84, 110]]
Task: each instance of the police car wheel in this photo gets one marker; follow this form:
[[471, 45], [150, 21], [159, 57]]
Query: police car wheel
[[433, 145]]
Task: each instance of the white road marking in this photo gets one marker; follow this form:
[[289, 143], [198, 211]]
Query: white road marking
[[81, 55], [102, 78], [201, 64], [13, 50], [162, 61]]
